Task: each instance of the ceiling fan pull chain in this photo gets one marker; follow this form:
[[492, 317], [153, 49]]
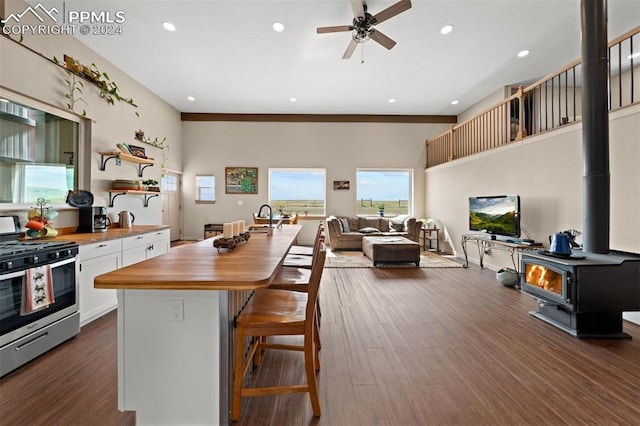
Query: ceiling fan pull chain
[[362, 53]]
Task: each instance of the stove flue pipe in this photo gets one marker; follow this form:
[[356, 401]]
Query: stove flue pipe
[[595, 127]]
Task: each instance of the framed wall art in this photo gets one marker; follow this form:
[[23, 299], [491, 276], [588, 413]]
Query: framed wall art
[[241, 180], [340, 184]]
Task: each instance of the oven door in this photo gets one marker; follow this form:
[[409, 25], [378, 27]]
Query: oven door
[[13, 325], [546, 281]]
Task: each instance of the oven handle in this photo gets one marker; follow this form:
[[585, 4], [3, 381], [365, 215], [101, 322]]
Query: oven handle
[[12, 275]]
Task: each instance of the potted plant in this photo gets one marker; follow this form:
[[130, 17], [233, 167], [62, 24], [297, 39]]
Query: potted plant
[[381, 209], [151, 185]]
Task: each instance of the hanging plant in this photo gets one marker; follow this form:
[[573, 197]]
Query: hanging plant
[[161, 144], [109, 90]]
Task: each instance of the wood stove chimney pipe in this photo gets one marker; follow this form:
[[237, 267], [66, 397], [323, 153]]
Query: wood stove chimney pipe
[[595, 127]]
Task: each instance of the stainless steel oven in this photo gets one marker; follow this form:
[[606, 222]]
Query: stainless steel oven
[[27, 333]]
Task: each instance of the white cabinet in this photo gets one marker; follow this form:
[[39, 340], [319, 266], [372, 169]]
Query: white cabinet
[[96, 259], [106, 256], [144, 246]]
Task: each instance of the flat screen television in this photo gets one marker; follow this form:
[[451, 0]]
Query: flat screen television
[[496, 214]]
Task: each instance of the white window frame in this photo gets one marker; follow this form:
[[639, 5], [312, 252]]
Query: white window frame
[[201, 188], [410, 196], [300, 169]]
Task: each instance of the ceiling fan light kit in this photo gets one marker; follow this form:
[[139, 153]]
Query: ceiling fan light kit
[[363, 22]]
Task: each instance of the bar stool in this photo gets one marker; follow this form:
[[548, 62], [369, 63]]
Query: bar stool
[[279, 313], [301, 256]]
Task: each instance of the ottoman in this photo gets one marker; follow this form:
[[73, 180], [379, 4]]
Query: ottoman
[[391, 250]]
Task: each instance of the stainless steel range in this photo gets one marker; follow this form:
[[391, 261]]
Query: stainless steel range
[[38, 295]]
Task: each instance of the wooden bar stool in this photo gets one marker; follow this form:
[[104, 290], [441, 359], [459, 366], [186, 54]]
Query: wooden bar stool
[[279, 313], [302, 256], [307, 250]]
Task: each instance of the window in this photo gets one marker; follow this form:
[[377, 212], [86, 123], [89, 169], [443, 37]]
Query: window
[[205, 189], [170, 183], [298, 190], [389, 187]]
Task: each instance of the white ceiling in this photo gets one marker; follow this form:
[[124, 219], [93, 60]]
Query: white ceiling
[[227, 56]]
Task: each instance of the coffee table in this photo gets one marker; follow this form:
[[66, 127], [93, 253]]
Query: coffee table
[[391, 250]]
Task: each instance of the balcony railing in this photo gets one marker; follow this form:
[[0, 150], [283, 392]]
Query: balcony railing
[[552, 102]]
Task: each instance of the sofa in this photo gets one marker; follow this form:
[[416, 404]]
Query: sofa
[[346, 232]]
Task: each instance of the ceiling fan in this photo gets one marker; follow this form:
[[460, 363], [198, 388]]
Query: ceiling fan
[[363, 23]]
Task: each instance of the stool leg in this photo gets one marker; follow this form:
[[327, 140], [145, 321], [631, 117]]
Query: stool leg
[[309, 364]]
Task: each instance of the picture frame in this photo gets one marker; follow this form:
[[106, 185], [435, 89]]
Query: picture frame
[[341, 184], [241, 180]]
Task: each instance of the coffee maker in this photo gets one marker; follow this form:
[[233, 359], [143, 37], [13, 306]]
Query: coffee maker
[[93, 219]]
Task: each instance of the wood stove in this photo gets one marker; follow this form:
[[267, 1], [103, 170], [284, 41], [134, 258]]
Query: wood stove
[[583, 294]]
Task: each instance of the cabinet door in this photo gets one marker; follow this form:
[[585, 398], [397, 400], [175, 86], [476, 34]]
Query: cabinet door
[[159, 244], [97, 302], [144, 246], [134, 255]]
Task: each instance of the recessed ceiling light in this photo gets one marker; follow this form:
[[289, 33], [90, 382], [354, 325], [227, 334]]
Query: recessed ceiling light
[[292, 99], [634, 55], [392, 101], [278, 27], [168, 26], [523, 53], [454, 102], [446, 29], [191, 98]]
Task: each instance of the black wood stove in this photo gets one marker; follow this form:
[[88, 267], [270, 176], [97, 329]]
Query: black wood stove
[[585, 293]]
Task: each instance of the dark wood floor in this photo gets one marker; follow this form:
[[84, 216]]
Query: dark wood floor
[[400, 347]]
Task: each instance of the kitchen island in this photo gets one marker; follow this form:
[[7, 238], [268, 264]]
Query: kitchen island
[[175, 333]]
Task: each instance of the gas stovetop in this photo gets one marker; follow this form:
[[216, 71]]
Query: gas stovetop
[[20, 247], [17, 254]]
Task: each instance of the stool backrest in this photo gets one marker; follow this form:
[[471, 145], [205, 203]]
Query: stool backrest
[[314, 282]]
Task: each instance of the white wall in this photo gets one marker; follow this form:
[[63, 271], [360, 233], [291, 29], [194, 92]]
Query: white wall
[[31, 75], [546, 171], [340, 148]]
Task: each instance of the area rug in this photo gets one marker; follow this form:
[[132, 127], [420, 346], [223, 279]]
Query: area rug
[[356, 259]]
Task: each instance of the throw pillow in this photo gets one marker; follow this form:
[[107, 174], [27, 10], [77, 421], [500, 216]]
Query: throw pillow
[[368, 230], [345, 224], [396, 226]]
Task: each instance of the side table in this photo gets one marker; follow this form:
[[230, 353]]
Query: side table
[[429, 236]]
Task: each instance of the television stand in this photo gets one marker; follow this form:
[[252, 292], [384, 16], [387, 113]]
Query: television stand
[[485, 242]]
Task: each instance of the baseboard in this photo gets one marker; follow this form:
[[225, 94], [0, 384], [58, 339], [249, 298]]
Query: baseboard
[[633, 317], [97, 313]]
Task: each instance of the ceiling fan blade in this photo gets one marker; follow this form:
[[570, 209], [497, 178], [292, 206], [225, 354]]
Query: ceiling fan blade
[[358, 8], [336, 29], [352, 46], [382, 39], [391, 11]]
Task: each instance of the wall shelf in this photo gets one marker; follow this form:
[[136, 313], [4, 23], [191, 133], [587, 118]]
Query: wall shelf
[[142, 163], [113, 193]]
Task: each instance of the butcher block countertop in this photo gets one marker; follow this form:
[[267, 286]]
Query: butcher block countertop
[[110, 234], [199, 266]]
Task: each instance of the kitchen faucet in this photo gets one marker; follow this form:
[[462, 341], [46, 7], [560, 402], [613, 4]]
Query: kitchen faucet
[[270, 214]]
